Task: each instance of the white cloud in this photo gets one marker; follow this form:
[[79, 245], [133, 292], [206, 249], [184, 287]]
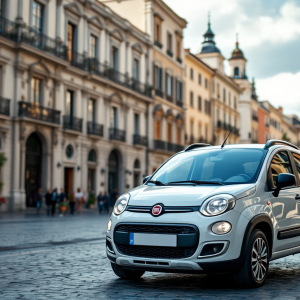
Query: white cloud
[[281, 90]]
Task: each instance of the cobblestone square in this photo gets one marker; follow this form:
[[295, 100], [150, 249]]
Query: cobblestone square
[[64, 258]]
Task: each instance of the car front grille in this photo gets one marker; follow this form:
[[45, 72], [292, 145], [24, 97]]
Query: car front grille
[[157, 251]]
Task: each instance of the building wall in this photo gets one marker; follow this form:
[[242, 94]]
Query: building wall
[[263, 124]]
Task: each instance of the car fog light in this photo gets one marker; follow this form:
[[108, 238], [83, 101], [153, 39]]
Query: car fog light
[[221, 227], [109, 225]]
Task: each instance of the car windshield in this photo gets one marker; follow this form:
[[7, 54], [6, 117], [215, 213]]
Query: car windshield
[[226, 166]]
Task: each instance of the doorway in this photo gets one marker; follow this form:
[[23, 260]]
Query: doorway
[[33, 168], [113, 171], [69, 178], [91, 180]]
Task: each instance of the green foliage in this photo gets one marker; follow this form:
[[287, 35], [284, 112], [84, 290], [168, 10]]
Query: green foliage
[[285, 137], [92, 199], [3, 159]]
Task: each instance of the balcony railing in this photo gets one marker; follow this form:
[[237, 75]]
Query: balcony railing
[[117, 134], [4, 106], [94, 128], [159, 93], [38, 112], [255, 118], [169, 98], [72, 123], [166, 146], [170, 53], [140, 140], [179, 103], [179, 60], [158, 44]]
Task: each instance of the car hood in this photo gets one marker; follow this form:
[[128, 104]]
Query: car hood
[[187, 195]]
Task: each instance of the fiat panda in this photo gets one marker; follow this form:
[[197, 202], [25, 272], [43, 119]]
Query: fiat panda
[[211, 209]]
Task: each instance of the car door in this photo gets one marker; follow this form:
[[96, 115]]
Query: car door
[[285, 206]]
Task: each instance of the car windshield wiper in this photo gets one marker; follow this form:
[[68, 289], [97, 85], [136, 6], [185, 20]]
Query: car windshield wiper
[[156, 182], [197, 182]]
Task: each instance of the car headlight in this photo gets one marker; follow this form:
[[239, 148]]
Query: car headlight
[[121, 204], [217, 205]]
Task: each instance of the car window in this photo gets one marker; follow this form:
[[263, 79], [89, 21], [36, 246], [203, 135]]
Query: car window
[[228, 166], [297, 163], [280, 164]]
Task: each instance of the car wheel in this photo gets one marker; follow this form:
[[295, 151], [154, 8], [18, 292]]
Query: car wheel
[[256, 265], [126, 274]]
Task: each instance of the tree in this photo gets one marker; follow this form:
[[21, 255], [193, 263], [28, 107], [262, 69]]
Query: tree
[[285, 137]]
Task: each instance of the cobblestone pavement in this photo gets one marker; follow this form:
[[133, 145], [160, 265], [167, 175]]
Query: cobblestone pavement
[[64, 258]]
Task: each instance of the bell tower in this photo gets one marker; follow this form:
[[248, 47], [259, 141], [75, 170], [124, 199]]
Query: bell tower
[[237, 62]]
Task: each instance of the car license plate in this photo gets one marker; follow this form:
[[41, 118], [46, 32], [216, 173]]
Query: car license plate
[[149, 239]]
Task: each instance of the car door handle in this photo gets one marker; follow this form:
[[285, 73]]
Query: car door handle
[[297, 197]]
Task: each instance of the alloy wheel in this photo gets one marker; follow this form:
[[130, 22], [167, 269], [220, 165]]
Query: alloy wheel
[[259, 260]]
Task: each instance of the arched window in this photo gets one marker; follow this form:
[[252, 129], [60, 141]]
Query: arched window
[[137, 164], [236, 72], [92, 156]]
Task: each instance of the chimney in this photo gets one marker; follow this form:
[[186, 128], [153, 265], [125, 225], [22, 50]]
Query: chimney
[[280, 109]]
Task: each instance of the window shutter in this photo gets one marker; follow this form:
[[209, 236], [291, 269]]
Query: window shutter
[[161, 79], [172, 86], [166, 83], [180, 94]]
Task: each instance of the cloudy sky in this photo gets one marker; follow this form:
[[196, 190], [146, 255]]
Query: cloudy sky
[[269, 35]]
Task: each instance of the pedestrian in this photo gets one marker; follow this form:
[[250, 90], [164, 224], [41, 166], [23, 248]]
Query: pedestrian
[[79, 200], [54, 199], [62, 196], [72, 202], [106, 202], [48, 197], [39, 197], [100, 202], [113, 197], [61, 200]]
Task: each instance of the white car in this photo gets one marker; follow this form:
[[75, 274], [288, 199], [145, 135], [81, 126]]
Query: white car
[[211, 209]]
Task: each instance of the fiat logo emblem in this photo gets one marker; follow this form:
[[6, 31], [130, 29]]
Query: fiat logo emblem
[[157, 210]]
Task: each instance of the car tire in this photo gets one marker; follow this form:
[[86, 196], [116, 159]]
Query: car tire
[[125, 273], [256, 265]]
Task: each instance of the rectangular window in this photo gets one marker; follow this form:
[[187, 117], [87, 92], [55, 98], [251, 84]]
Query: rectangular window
[[36, 86], [93, 46], [92, 110], [158, 78], [192, 74], [71, 40], [114, 117], [136, 123], [178, 49], [169, 86], [229, 98], [70, 103], [192, 99], [169, 43], [178, 136], [115, 58], [157, 32], [136, 69], [199, 103], [280, 164], [37, 16], [2, 7], [169, 132], [157, 129], [224, 95], [234, 100], [199, 79], [206, 83], [178, 91]]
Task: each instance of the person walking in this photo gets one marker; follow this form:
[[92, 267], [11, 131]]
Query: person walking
[[54, 199], [48, 197], [100, 202], [106, 202], [72, 202], [39, 197], [79, 200]]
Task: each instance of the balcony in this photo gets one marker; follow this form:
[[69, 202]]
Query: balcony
[[169, 98], [158, 44], [4, 106], [30, 36], [38, 112], [140, 140], [166, 146], [169, 53], [159, 93], [117, 134], [94, 128], [255, 118], [179, 103], [72, 123], [179, 60]]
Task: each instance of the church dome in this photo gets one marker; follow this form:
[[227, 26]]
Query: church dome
[[209, 45], [237, 53]]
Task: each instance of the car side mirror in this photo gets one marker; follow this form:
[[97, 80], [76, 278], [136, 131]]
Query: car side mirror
[[284, 180], [146, 178]]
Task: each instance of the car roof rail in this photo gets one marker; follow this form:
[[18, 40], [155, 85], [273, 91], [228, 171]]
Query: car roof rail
[[271, 143], [198, 145]]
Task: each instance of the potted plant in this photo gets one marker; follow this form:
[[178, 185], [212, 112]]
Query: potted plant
[[63, 207], [92, 200]]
